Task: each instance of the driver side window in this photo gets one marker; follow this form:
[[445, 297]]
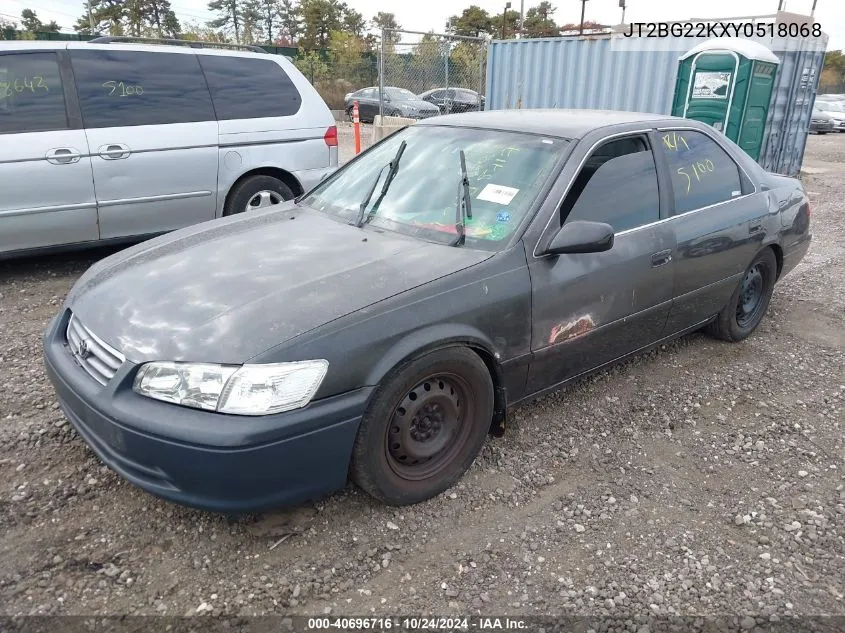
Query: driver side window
[[616, 185]]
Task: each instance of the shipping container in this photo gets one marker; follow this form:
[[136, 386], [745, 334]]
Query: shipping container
[[609, 72]]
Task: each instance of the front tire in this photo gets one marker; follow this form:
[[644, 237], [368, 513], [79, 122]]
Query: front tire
[[749, 302], [424, 427], [255, 193]]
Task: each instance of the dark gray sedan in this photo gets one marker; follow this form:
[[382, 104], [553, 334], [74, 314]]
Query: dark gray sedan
[[382, 326]]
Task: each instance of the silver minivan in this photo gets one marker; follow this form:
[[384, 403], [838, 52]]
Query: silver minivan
[[115, 140]]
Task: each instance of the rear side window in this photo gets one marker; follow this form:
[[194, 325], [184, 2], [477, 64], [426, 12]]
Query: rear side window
[[616, 185], [247, 88], [31, 94], [702, 172], [126, 88]]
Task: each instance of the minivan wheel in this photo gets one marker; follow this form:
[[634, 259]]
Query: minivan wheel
[[749, 302], [255, 193], [424, 427]]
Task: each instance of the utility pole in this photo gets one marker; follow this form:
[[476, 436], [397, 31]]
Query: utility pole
[[90, 18], [813, 10], [505, 17], [622, 6], [581, 26], [522, 16]]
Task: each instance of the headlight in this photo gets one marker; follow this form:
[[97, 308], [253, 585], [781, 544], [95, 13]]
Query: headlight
[[241, 390]]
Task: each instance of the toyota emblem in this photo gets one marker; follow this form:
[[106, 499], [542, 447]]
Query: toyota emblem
[[82, 350]]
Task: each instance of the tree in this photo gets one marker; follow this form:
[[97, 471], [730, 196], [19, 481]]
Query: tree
[[353, 21], [385, 20], [428, 65], [160, 18], [270, 14], [135, 14], [229, 16], [252, 28], [108, 15], [575, 28], [833, 72], [289, 20], [511, 22], [319, 19], [473, 22], [539, 21], [198, 32]]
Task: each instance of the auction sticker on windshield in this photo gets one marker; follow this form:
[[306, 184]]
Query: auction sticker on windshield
[[498, 194]]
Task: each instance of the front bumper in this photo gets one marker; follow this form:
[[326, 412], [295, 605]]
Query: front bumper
[[207, 460], [822, 127]]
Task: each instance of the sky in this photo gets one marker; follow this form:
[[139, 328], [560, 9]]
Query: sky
[[432, 14]]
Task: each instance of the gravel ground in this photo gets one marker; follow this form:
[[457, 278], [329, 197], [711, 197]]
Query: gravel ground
[[700, 478]]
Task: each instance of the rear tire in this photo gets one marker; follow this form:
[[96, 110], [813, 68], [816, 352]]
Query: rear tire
[[749, 302], [424, 427], [257, 192]]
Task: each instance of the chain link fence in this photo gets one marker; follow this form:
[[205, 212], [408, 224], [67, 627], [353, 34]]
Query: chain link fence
[[447, 71]]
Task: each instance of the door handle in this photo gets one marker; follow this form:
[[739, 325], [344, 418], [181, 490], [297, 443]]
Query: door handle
[[661, 258], [114, 151], [755, 227], [63, 156]]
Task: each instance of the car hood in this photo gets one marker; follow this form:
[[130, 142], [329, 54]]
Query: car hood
[[227, 290]]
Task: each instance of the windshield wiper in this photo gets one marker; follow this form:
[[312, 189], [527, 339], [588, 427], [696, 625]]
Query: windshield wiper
[[393, 167], [464, 206], [391, 174]]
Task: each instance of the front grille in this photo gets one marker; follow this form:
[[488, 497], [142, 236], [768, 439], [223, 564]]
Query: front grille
[[96, 357]]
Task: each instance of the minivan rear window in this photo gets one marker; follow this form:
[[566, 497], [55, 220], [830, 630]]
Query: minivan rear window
[[31, 94], [249, 88], [126, 88]]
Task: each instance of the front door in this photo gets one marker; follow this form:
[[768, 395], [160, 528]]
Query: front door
[[152, 135], [46, 186], [589, 309]]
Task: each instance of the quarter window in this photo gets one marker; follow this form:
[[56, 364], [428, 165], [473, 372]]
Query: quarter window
[[616, 185], [31, 95], [126, 88], [248, 88], [702, 172]]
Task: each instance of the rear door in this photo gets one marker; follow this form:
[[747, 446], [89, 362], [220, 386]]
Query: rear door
[[719, 224], [152, 135], [45, 172], [589, 309]]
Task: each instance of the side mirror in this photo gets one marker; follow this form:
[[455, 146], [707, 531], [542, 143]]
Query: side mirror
[[581, 236], [386, 99]]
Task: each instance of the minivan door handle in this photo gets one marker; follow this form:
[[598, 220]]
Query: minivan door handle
[[661, 258], [114, 151], [63, 156], [755, 227]]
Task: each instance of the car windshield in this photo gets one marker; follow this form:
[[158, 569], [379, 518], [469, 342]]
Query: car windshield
[[400, 94], [506, 171]]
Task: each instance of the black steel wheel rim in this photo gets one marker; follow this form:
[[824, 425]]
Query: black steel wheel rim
[[429, 427], [751, 293]]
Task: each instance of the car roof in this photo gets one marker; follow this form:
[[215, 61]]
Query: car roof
[[563, 123]]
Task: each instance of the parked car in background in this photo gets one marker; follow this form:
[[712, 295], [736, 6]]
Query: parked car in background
[[382, 325], [836, 110], [454, 100], [397, 102], [821, 122], [116, 140]]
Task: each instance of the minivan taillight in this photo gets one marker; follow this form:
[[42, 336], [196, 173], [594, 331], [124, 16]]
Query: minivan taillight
[[330, 136]]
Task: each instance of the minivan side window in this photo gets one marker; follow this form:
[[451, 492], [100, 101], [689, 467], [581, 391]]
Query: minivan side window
[[249, 88], [702, 172], [31, 94], [616, 185], [126, 88]]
